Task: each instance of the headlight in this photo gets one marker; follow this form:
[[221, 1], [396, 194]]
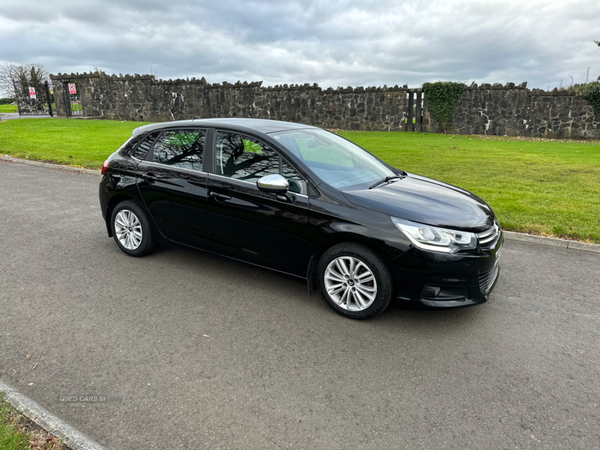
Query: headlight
[[436, 239]]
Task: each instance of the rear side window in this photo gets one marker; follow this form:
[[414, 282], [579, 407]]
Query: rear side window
[[181, 148], [142, 149]]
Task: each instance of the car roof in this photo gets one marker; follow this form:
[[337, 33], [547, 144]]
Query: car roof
[[239, 124]]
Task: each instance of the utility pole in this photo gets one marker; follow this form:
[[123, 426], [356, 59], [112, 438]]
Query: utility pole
[[572, 81], [588, 75]]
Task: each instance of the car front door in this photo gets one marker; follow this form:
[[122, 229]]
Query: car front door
[[172, 184], [248, 224]]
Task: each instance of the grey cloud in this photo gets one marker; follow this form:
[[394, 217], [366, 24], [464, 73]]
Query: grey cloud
[[329, 42]]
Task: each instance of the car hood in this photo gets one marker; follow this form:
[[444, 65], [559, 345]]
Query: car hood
[[427, 201]]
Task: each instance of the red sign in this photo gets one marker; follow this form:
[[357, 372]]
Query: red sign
[[72, 88], [32, 92]]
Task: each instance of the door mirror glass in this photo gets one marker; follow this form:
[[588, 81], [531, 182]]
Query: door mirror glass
[[274, 184]]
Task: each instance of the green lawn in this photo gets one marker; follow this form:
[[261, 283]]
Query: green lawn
[[84, 143], [13, 109], [544, 187], [8, 109]]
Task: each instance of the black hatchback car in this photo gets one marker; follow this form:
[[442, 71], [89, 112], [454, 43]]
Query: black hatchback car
[[304, 201]]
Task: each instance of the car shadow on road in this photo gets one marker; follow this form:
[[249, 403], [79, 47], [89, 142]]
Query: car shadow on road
[[266, 283]]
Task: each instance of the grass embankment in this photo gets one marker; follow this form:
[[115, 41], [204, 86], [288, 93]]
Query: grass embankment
[[8, 109], [535, 186], [19, 433], [539, 186]]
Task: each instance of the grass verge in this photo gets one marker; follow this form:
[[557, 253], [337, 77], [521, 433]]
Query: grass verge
[[19, 433], [8, 109], [545, 187]]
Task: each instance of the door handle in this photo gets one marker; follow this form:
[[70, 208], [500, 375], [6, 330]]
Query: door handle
[[219, 197], [149, 178]]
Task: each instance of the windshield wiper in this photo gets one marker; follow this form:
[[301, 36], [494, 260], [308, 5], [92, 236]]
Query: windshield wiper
[[385, 180]]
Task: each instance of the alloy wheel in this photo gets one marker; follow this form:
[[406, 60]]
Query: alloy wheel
[[128, 229], [350, 283]]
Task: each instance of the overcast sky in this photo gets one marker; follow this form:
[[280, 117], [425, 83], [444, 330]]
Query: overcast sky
[[333, 43]]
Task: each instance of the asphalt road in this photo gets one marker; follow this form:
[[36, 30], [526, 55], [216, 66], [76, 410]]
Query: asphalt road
[[211, 353]]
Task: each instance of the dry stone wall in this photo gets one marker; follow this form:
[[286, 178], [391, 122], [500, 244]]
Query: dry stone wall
[[517, 111], [487, 109], [142, 97]]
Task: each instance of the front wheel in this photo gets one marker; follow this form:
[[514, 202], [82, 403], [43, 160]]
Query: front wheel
[[355, 281], [131, 229]]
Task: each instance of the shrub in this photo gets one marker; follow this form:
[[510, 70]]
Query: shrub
[[592, 94], [442, 99]]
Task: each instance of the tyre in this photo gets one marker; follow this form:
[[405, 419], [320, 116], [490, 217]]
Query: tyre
[[131, 229], [355, 281]]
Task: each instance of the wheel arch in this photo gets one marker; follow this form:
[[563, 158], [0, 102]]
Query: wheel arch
[[338, 238], [114, 201]]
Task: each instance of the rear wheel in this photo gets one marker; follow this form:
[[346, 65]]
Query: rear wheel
[[355, 281], [131, 229]]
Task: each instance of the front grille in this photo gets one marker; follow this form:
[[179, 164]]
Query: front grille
[[487, 239], [486, 280]]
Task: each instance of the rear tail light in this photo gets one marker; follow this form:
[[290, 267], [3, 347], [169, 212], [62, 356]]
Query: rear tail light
[[105, 167]]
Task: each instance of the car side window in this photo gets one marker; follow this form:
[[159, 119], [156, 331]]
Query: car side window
[[181, 148], [129, 146], [297, 184], [142, 149], [244, 157]]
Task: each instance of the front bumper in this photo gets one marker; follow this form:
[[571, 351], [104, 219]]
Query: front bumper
[[448, 281]]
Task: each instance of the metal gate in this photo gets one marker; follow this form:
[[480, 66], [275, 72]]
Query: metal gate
[[414, 110], [36, 100], [72, 99]]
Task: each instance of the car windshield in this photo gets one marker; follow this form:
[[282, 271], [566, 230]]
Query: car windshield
[[335, 160]]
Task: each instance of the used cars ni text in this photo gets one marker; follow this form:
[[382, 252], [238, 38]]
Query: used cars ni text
[[305, 201]]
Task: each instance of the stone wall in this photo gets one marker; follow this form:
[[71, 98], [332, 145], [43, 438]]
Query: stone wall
[[28, 105], [517, 111], [487, 109], [142, 97]]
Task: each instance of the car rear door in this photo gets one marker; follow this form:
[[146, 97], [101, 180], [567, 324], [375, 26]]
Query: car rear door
[[173, 185], [248, 224]]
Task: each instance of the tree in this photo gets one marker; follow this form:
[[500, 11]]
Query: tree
[[16, 80]]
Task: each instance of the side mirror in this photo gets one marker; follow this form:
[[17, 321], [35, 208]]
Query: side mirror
[[274, 184]]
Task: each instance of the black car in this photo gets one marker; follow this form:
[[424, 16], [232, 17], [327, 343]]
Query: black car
[[304, 201]]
